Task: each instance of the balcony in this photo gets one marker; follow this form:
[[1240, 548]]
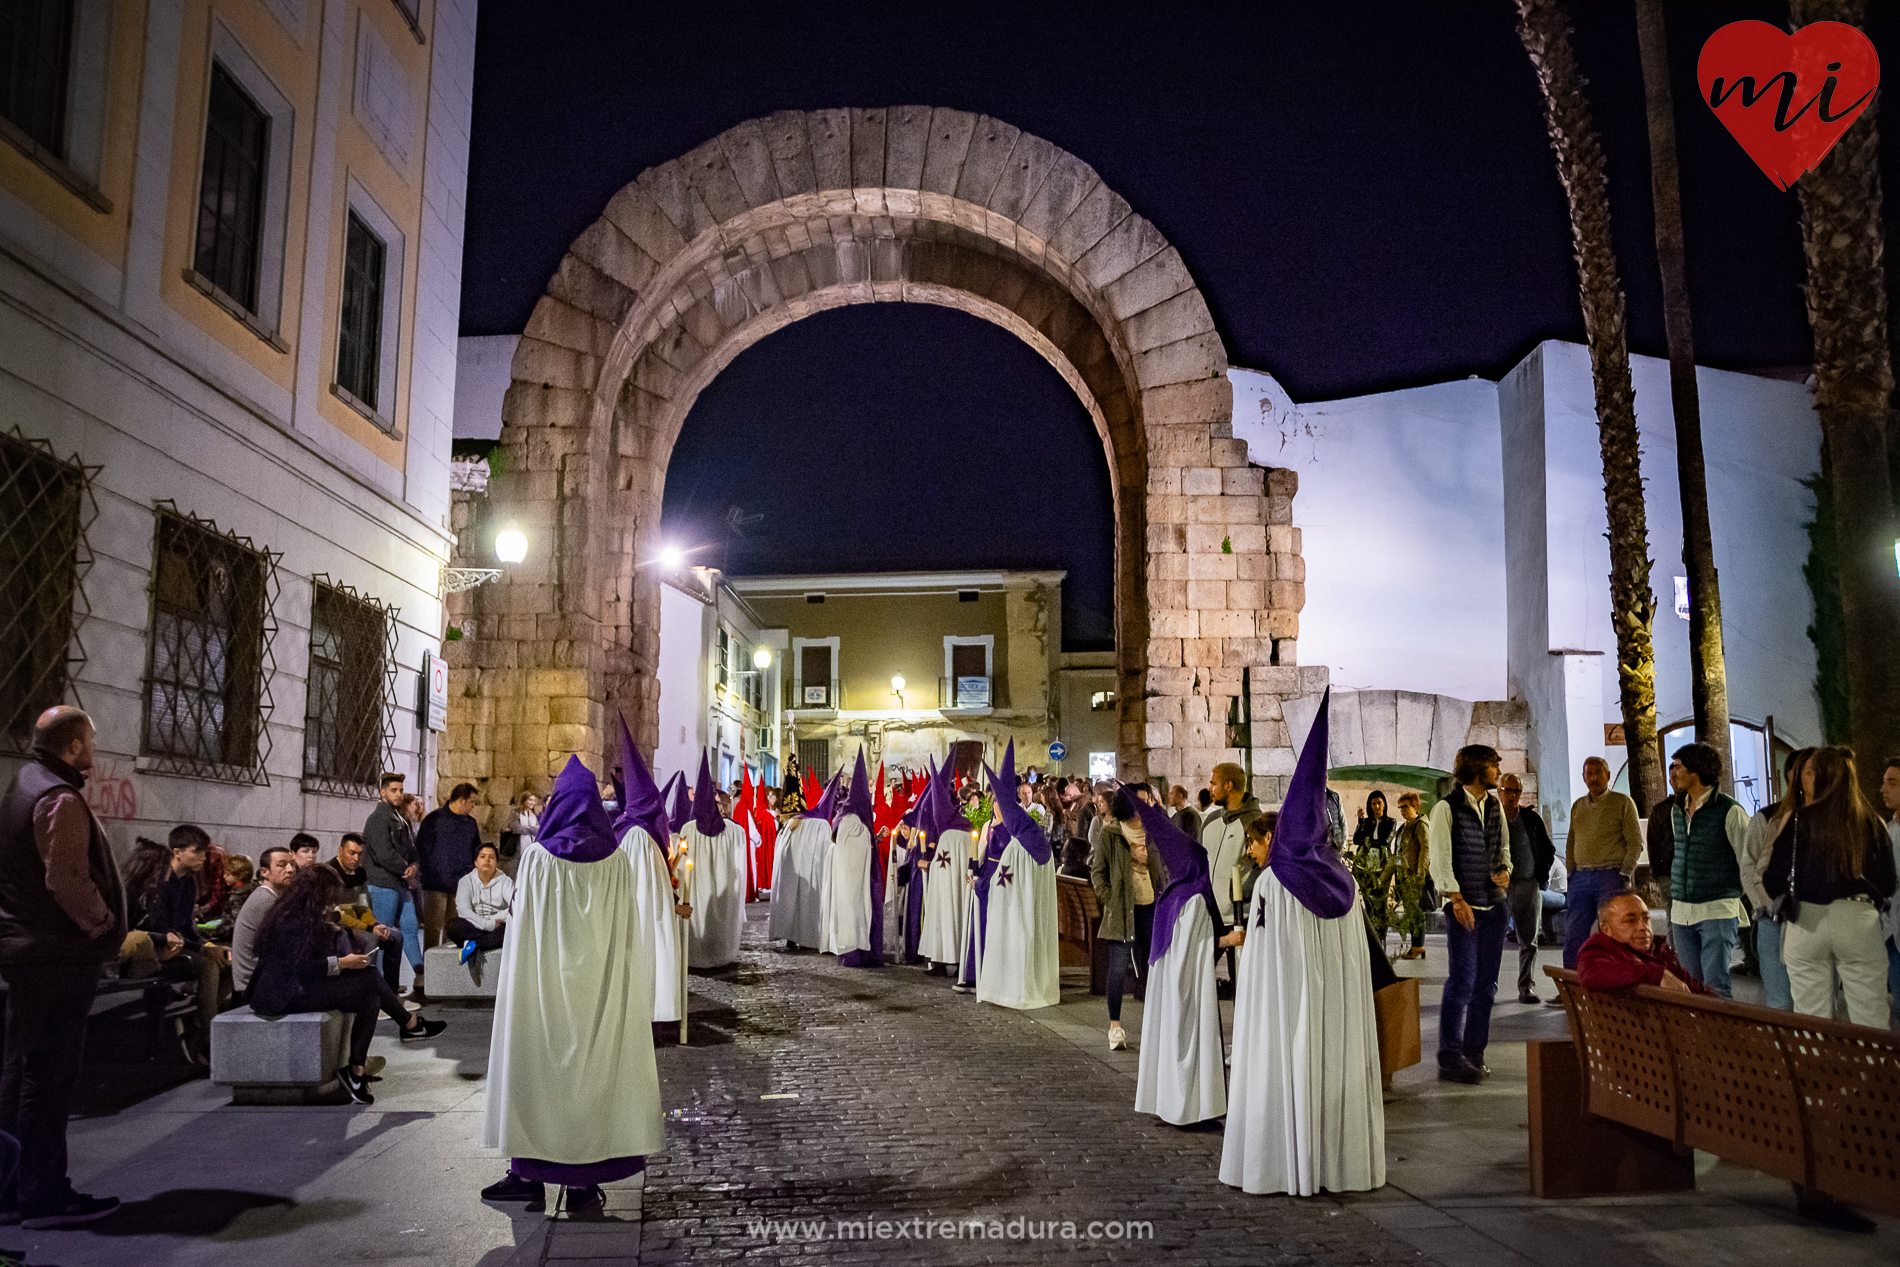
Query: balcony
[[970, 695], [813, 698]]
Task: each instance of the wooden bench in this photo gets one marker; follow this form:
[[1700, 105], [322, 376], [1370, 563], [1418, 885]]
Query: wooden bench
[[1078, 915], [1813, 1101]]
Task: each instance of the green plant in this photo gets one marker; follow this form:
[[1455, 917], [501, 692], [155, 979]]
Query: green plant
[[1828, 632], [1226, 545], [454, 634]]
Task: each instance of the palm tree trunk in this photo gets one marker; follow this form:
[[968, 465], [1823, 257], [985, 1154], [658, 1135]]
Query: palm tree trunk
[[1707, 663], [1853, 371], [1544, 28]]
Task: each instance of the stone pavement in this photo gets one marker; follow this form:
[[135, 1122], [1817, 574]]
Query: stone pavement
[[815, 1093]]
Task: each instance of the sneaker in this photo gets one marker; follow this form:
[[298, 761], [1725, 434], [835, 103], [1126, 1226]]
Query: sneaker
[[423, 1029], [1117, 1038], [961, 988], [357, 1086], [75, 1209], [469, 950], [589, 1202], [512, 1187]]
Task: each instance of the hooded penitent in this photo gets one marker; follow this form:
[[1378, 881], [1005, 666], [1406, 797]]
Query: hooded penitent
[[706, 815], [574, 824], [1186, 864], [1012, 818], [679, 803], [641, 804], [826, 806], [1301, 858], [950, 816], [858, 800]]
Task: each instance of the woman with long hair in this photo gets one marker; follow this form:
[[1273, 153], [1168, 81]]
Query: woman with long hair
[[1833, 857], [306, 963]]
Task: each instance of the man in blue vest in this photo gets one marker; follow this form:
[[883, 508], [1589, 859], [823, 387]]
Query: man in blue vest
[[1471, 866], [1710, 829]]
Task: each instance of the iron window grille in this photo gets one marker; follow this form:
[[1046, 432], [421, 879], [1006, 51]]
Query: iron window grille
[[359, 343], [46, 506], [231, 192], [36, 42], [210, 661], [347, 728]]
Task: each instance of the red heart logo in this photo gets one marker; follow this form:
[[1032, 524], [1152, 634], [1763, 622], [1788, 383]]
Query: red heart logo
[[1787, 98]]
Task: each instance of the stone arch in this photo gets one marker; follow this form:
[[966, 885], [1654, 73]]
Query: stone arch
[[781, 217]]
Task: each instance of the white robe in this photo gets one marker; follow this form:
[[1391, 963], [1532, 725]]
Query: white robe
[[1017, 959], [846, 909], [653, 895], [796, 897], [571, 1076], [945, 896], [1180, 1078], [717, 895], [1304, 1112]]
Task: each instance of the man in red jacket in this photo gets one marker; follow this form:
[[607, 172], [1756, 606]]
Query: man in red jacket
[[1623, 952]]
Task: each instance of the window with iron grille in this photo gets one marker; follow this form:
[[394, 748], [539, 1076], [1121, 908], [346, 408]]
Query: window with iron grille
[[207, 681], [231, 191], [359, 342], [722, 664], [346, 728], [36, 40], [45, 506]]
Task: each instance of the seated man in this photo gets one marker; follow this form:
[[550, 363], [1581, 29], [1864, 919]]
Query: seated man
[[170, 918], [275, 867], [482, 899], [1624, 952]]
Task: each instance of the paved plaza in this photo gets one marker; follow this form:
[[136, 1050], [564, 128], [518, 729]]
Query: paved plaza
[[814, 1099]]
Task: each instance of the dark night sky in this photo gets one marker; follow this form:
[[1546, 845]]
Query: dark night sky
[[1364, 193]]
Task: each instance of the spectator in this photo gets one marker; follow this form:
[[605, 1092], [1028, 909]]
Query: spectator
[[1840, 860], [1600, 854], [1710, 831], [239, 885], [1531, 855], [1659, 838], [1762, 832], [275, 868], [1125, 876], [1254, 860], [482, 899], [348, 865], [1223, 836], [62, 917], [1335, 822], [1375, 828], [1890, 921], [524, 825], [389, 858], [1623, 952], [166, 910], [213, 888], [1470, 866], [1416, 894], [446, 843], [1206, 801], [1187, 817], [305, 964], [303, 846]]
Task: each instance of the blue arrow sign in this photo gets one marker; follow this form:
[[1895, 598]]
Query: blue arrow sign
[[1057, 751]]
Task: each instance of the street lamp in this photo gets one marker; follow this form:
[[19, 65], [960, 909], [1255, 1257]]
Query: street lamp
[[511, 547], [897, 688], [762, 659], [671, 557]]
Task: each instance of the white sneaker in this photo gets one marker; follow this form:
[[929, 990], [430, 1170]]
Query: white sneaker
[[1117, 1038]]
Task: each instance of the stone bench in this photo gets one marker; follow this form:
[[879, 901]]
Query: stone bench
[[445, 976], [289, 1060]]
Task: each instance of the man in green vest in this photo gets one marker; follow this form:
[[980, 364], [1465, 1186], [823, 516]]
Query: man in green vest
[[1710, 830]]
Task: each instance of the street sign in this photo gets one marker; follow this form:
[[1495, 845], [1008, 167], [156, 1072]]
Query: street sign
[[435, 691], [1057, 751]]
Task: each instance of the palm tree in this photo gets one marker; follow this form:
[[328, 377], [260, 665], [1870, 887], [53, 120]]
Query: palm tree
[[1853, 373], [1707, 664], [1545, 30]]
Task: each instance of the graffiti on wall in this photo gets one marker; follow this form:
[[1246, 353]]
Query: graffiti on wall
[[110, 793]]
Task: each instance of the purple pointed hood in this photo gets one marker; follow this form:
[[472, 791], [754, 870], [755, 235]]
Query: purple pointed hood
[[1184, 860], [918, 815], [1010, 814], [950, 816], [827, 807], [679, 802], [706, 815], [1301, 858], [858, 802], [641, 804], [574, 824]]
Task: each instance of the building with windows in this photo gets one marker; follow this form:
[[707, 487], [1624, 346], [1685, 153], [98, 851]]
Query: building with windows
[[230, 248], [719, 682]]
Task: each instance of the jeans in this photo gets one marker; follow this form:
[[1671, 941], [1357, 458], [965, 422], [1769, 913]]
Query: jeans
[[1774, 973], [47, 1006], [1126, 955], [1525, 901], [460, 932], [1705, 949], [1464, 1011], [396, 908], [1589, 889]]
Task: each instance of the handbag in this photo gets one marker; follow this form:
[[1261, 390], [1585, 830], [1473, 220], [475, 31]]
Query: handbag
[[1786, 908]]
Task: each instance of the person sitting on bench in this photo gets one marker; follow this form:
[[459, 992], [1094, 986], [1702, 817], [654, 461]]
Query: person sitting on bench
[[1624, 952], [482, 899]]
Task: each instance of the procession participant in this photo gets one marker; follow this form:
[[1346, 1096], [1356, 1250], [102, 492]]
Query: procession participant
[[573, 1093], [797, 906], [642, 830], [714, 878], [915, 869], [1019, 967], [1304, 1111], [940, 939], [853, 903], [1224, 839], [1181, 1078]]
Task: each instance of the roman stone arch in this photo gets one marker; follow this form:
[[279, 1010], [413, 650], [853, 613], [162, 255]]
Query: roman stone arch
[[785, 216]]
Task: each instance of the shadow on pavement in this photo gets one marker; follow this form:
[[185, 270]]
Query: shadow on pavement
[[187, 1212]]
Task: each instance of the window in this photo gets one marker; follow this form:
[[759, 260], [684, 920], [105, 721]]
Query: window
[[231, 191], [1101, 766], [1102, 702], [967, 672], [35, 62], [207, 677], [814, 757], [359, 342], [816, 687], [722, 659], [966, 596], [42, 546], [346, 731]]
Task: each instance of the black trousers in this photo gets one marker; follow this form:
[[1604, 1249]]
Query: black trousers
[[360, 992], [47, 1006], [460, 931]]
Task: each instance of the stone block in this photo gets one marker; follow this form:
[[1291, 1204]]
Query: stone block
[[1286, 595], [1164, 653], [1451, 722], [1289, 567], [1281, 539], [1168, 595], [1165, 481], [1200, 652], [1166, 537], [1167, 508], [289, 1059], [1204, 538], [1241, 481], [1486, 735], [1283, 482], [1253, 566], [1210, 567], [1170, 567], [1347, 743], [1248, 538], [1378, 727], [1227, 624], [1201, 481], [1207, 594], [1279, 510], [572, 738], [1246, 595], [1513, 761], [1286, 650], [1158, 734], [1283, 624], [1230, 454], [1246, 650], [1157, 279], [449, 978], [1314, 678], [1174, 624], [571, 710], [1514, 735], [1207, 510], [1274, 762]]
